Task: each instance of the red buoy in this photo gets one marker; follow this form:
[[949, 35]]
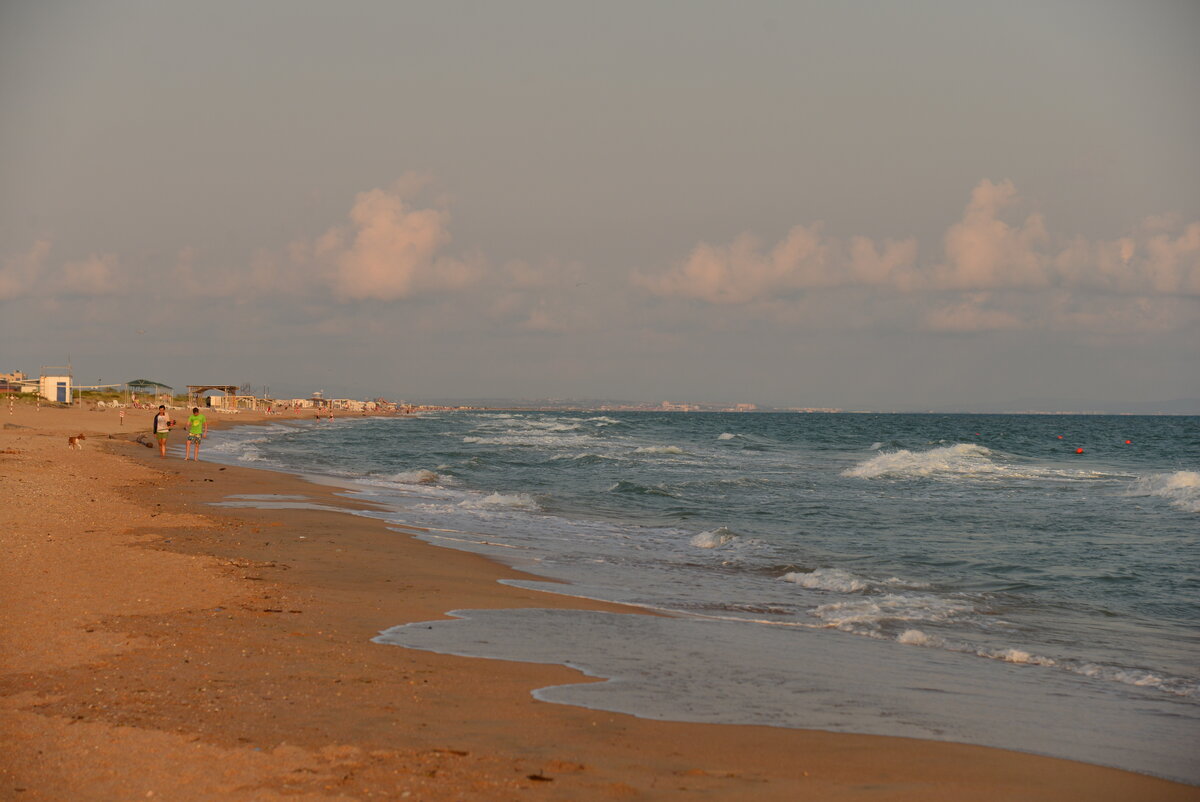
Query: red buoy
[[1060, 437], [1128, 442], [1079, 451]]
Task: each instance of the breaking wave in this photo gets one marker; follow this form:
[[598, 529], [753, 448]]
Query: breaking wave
[[963, 459], [251, 454], [419, 476], [864, 616], [842, 581], [587, 458], [512, 501], [714, 539], [827, 579], [1181, 489]]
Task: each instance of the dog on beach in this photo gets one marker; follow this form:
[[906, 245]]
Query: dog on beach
[[75, 442]]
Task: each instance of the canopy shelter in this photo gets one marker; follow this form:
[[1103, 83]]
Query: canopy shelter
[[147, 386], [230, 391]]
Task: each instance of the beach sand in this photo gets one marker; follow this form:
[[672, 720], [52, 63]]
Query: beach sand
[[155, 647]]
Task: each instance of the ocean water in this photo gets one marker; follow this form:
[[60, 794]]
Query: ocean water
[[958, 577]]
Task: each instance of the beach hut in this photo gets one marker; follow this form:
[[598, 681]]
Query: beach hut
[[54, 383], [55, 388]]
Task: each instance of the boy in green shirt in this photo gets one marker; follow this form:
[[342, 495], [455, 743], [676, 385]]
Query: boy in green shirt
[[197, 428]]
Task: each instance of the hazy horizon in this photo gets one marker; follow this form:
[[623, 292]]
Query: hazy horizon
[[910, 206]]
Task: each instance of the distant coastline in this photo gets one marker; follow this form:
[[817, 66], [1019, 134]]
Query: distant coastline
[[1181, 407]]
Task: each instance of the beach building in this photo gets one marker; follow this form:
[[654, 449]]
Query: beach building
[[227, 400], [232, 397], [17, 382], [55, 388], [55, 385]]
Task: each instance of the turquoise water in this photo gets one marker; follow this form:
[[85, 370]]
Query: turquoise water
[[1044, 589]]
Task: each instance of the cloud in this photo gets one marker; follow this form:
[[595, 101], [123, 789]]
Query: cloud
[[389, 249], [95, 275], [550, 297], [983, 252], [998, 267], [805, 259], [19, 273], [971, 313], [997, 270], [1158, 258], [392, 250]]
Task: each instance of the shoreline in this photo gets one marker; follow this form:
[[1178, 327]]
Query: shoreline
[[160, 638]]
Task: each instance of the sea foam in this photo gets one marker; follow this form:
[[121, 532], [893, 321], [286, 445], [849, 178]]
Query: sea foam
[[1181, 489], [866, 615], [514, 501], [961, 459], [251, 454], [834, 579], [915, 637], [419, 476], [714, 539]]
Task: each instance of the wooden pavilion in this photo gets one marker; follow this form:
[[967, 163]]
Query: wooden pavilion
[[229, 401]]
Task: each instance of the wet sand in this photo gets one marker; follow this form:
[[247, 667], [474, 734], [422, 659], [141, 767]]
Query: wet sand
[[155, 646]]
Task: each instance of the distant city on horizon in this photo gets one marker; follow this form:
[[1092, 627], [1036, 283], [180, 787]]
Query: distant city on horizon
[[16, 382], [1184, 407]]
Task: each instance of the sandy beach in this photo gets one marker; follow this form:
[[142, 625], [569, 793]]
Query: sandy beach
[[155, 646]]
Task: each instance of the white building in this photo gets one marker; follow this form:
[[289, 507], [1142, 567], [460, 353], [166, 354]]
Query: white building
[[55, 388]]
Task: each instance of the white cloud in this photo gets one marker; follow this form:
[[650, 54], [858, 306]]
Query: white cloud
[[983, 251], [1158, 258], [805, 259], [95, 275], [392, 250], [19, 273], [389, 249], [995, 272]]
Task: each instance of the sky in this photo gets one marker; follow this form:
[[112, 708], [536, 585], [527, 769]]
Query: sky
[[885, 205]]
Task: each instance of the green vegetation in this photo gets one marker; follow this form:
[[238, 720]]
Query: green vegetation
[[99, 395]]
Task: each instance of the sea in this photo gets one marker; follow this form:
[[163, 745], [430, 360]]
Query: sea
[[1029, 582]]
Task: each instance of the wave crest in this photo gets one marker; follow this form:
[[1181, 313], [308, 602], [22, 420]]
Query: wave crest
[[1181, 489], [625, 486], [714, 539], [868, 613], [659, 450], [962, 459], [512, 501], [419, 476], [834, 579]]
